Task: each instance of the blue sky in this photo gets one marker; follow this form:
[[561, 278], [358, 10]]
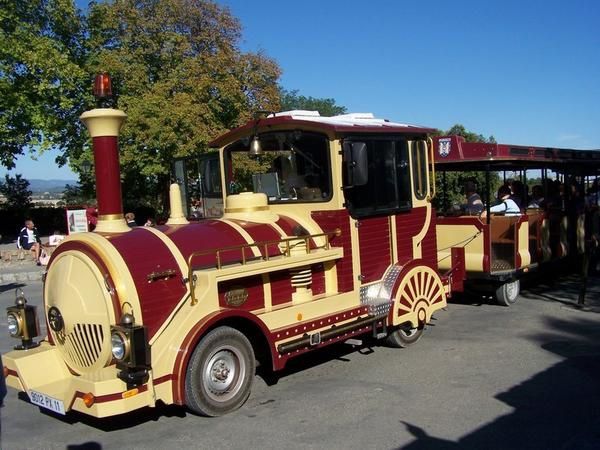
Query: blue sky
[[524, 71]]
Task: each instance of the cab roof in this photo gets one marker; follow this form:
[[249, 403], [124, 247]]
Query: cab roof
[[346, 123]]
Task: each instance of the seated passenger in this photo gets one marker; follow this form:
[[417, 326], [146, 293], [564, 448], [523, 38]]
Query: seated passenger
[[474, 205], [537, 197], [507, 206]]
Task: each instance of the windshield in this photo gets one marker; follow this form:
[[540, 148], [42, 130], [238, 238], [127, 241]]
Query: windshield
[[294, 166]]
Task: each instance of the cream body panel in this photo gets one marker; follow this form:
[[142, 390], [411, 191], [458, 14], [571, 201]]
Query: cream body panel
[[467, 236]]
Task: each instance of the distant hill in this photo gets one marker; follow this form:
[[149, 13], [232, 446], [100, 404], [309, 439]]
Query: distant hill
[[53, 186]]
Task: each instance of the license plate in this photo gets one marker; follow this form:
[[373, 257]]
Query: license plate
[[45, 401]]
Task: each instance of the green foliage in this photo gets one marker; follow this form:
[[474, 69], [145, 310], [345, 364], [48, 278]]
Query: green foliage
[[291, 100], [450, 185], [16, 190], [460, 130], [42, 73], [180, 77]]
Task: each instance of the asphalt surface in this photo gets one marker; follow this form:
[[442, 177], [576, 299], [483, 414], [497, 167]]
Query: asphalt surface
[[483, 377]]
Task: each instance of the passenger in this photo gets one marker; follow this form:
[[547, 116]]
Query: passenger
[[130, 218], [474, 205], [537, 198], [150, 222], [518, 193], [507, 206]]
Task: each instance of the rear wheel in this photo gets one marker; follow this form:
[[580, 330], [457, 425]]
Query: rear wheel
[[404, 337], [220, 373], [508, 293]]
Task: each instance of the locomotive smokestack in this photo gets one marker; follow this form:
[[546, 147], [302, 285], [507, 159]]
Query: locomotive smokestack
[[104, 125]]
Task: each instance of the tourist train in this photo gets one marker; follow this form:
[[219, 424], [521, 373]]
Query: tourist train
[[328, 234]]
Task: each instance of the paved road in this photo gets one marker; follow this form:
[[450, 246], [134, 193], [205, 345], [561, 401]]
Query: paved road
[[483, 377]]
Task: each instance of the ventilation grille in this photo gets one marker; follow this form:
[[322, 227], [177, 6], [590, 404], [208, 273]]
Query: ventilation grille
[[82, 347]]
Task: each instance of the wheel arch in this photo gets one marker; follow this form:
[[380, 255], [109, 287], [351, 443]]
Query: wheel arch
[[248, 324], [430, 307]]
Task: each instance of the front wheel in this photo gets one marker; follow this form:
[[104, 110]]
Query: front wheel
[[404, 337], [220, 373], [508, 293]]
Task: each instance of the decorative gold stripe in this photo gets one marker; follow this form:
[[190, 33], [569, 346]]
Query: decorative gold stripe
[[251, 209], [110, 217]]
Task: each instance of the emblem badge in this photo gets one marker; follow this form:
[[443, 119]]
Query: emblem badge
[[444, 147], [236, 297], [55, 319]]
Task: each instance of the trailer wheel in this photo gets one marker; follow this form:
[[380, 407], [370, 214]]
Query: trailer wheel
[[220, 373], [508, 293], [404, 337]]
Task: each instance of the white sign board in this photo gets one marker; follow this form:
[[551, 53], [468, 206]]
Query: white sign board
[[76, 221]]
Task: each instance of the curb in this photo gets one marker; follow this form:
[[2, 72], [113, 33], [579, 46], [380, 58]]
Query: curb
[[20, 276]]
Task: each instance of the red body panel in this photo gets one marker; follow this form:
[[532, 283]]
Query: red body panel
[[144, 253], [281, 287], [318, 279], [374, 245], [254, 287], [409, 225], [329, 221], [207, 235], [260, 232]]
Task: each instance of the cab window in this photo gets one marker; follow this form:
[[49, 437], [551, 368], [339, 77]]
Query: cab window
[[294, 167], [387, 190]]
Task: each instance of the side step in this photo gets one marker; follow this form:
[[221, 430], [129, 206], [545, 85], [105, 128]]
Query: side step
[[378, 312]]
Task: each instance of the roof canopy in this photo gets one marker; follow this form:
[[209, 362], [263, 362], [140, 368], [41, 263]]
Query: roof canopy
[[346, 123]]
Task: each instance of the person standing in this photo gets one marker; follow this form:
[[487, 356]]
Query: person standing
[[29, 238]]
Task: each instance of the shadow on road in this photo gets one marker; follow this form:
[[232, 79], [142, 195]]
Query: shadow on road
[[557, 408], [11, 286]]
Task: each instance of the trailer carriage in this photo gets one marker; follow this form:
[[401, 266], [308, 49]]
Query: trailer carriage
[[500, 249]]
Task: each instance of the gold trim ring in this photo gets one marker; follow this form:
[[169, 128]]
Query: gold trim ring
[[251, 209], [111, 217]]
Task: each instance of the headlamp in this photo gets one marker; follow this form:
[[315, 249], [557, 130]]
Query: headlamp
[[23, 322]]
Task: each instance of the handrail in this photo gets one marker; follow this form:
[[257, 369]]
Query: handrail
[[432, 161], [264, 244]]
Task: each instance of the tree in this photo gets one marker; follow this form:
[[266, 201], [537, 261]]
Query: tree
[[181, 78], [291, 100], [460, 130], [450, 184], [16, 190], [42, 78]]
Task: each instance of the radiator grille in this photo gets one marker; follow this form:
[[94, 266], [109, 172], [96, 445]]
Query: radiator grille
[[82, 347]]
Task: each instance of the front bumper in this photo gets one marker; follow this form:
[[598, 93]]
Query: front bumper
[[43, 370]]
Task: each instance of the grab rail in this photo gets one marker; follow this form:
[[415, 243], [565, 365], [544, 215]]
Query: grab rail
[[264, 244], [432, 161]]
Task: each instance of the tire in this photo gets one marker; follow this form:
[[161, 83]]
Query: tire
[[508, 293], [404, 337], [220, 373]]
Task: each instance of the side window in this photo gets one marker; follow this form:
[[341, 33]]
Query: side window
[[419, 160], [388, 188], [211, 177]]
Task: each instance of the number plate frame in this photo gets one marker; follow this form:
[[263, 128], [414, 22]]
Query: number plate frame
[[47, 402]]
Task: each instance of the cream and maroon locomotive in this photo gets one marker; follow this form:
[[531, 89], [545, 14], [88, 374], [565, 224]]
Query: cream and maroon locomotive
[[328, 233]]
